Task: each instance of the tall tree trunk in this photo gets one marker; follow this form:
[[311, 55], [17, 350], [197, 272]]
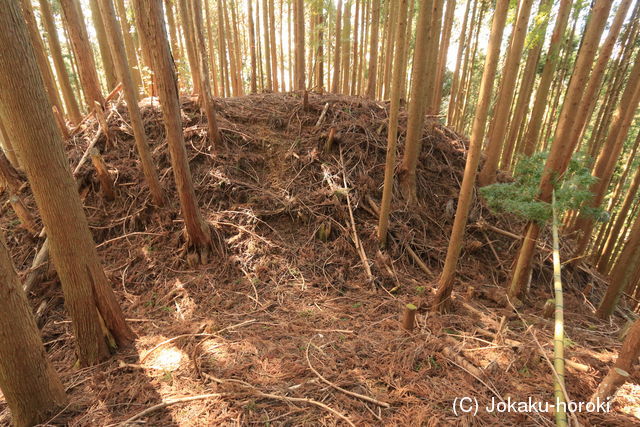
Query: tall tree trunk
[[233, 60], [432, 71], [346, 55], [103, 46], [212, 50], [453, 97], [561, 148], [87, 292], [335, 80], [207, 100], [190, 43], [29, 383], [82, 48], [299, 36], [129, 45], [252, 47], [155, 37], [58, 62], [41, 57], [418, 103], [272, 43], [373, 49], [399, 67], [606, 162], [442, 54], [237, 50], [389, 43], [118, 53], [498, 127], [224, 72], [526, 84], [445, 284], [354, 71], [173, 31], [267, 44]]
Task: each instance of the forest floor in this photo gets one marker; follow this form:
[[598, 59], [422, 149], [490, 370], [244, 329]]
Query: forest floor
[[290, 302]]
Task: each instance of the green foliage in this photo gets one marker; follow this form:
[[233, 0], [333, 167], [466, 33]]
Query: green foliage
[[520, 197]]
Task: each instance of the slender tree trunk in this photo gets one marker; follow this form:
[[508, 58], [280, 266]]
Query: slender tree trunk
[[453, 97], [606, 162], [266, 43], [82, 48], [418, 103], [373, 49], [208, 105], [155, 37], [445, 284], [252, 47], [498, 127], [346, 55], [212, 50], [399, 67], [442, 54], [389, 43], [119, 56], [58, 62], [299, 36], [7, 147], [335, 80], [526, 85], [272, 43], [224, 72], [88, 296], [41, 57], [103, 45], [29, 383], [237, 50], [562, 148], [432, 70], [320, 52], [354, 67], [129, 44], [173, 32], [233, 61], [190, 43]]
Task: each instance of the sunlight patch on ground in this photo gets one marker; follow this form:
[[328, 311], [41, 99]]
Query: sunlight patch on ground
[[168, 359], [628, 399]]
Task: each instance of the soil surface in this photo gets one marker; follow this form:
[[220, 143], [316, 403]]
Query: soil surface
[[289, 323]]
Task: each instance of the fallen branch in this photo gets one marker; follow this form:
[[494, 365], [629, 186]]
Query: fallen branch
[[169, 403], [324, 113], [337, 387], [278, 397]]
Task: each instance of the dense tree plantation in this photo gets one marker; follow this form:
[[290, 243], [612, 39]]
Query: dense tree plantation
[[319, 212]]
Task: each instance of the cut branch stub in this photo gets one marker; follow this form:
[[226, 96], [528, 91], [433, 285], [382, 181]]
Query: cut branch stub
[[409, 317], [106, 182], [328, 145], [102, 120], [26, 220]]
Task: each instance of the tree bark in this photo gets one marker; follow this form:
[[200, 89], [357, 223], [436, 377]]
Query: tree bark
[[299, 36], [130, 47], [87, 292], [442, 54], [58, 62], [103, 45], [252, 47], [399, 67], [272, 43], [155, 37], [373, 49], [190, 43], [82, 48], [118, 53], [30, 385], [498, 127], [335, 80], [445, 284]]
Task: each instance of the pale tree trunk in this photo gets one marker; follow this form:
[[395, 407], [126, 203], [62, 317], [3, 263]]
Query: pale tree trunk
[[252, 47], [224, 71], [407, 49], [233, 63], [456, 73], [365, 24], [526, 85], [299, 36], [498, 127], [237, 50], [267, 45], [562, 148], [283, 84], [320, 52], [208, 105], [82, 48], [41, 57], [335, 80], [58, 62], [346, 55], [399, 68], [442, 54], [418, 102], [173, 32], [155, 36], [103, 46], [606, 162], [95, 313], [272, 43], [373, 49], [445, 285], [30, 385], [354, 71], [129, 89], [129, 45]]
